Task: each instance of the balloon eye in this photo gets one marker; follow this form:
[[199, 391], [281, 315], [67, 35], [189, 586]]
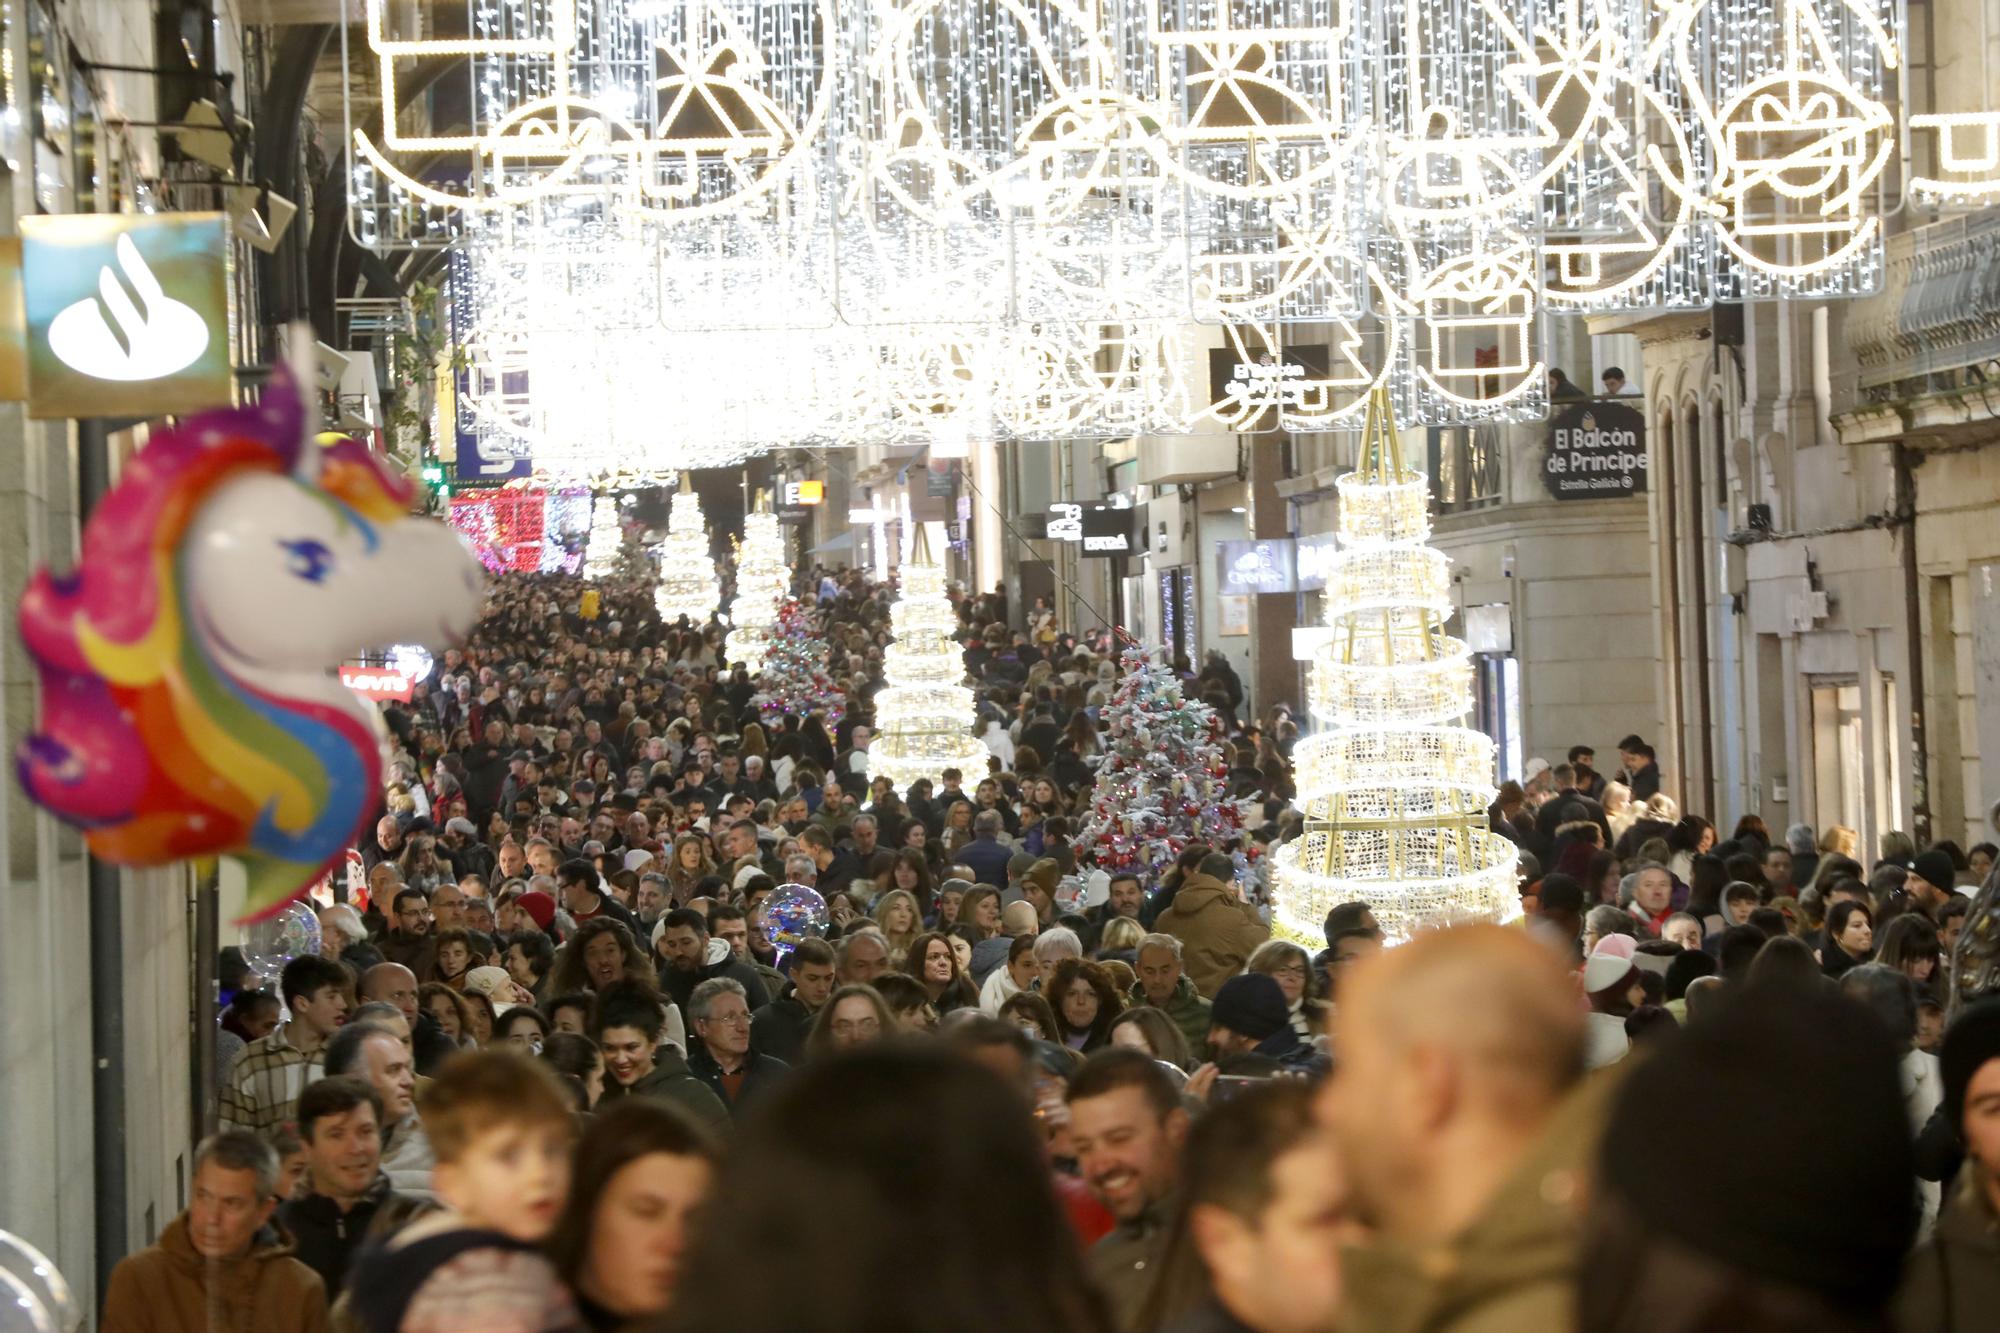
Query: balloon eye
[[308, 559]]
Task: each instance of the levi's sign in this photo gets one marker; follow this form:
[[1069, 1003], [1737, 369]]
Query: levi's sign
[[1596, 450], [377, 683]]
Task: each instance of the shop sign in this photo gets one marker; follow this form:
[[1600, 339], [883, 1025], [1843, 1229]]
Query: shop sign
[[1246, 567], [127, 314], [1596, 451], [798, 499], [1107, 532], [377, 683], [1315, 556]]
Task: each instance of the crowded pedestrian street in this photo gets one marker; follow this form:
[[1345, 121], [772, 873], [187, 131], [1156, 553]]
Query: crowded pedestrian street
[[1000, 666]]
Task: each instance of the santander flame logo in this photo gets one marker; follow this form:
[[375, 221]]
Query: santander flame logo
[[146, 338]]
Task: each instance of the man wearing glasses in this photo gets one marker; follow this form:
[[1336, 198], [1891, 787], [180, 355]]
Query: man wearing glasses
[[720, 1012]]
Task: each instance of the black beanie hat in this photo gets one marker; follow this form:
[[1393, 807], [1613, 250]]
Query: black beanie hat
[[1685, 967], [1937, 870], [1972, 1039], [1781, 1074], [1252, 1004]]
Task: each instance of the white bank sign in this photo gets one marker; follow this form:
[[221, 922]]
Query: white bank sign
[[1596, 451]]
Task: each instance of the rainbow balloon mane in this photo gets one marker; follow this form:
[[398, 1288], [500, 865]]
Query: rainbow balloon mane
[[145, 738]]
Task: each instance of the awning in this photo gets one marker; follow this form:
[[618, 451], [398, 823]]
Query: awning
[[834, 545]]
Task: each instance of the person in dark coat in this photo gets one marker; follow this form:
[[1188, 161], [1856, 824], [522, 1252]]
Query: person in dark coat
[[986, 856], [1250, 1017], [1952, 1283], [683, 950], [721, 1054], [779, 1029], [339, 1122], [626, 1024]]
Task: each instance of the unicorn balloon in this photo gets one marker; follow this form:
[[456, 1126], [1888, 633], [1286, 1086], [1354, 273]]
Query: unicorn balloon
[[188, 703]]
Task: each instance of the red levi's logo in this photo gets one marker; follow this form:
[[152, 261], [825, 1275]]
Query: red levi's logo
[[376, 683]]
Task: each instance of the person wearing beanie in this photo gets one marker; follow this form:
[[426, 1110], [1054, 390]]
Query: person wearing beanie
[[539, 908], [1784, 1239], [1250, 1016], [1611, 982], [1687, 967], [1953, 1282], [1932, 881]]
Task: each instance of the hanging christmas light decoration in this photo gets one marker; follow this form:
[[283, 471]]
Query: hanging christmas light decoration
[[924, 714], [763, 578], [1396, 788], [687, 564], [941, 202]]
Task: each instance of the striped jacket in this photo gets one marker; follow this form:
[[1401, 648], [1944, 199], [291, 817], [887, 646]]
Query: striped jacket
[[263, 1087]]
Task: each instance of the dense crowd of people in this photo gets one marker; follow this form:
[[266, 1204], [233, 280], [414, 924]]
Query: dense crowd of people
[[552, 1070]]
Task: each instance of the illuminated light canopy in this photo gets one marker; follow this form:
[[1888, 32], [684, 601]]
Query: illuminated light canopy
[[1396, 788], [688, 585], [940, 203], [924, 713], [763, 580]]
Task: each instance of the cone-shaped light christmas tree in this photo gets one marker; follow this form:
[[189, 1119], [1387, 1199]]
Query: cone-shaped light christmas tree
[[687, 565], [762, 580], [923, 714], [600, 553], [1396, 787]]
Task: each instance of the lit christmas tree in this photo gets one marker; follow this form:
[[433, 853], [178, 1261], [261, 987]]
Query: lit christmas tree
[[923, 713], [687, 567], [762, 580], [795, 679], [1160, 787], [607, 538], [1396, 788]]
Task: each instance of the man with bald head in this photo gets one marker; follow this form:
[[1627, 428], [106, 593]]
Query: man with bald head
[[392, 983], [1460, 1109]]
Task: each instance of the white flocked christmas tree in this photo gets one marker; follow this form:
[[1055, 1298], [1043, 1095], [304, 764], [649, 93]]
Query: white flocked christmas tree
[[1160, 787], [762, 581], [924, 713], [1395, 787], [607, 537], [687, 566]]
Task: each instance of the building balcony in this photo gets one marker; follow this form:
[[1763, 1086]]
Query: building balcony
[[1928, 346]]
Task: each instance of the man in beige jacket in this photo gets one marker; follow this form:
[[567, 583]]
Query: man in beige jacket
[[1216, 928]]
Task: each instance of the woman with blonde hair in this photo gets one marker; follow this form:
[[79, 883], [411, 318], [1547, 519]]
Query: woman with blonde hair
[[1839, 840], [1120, 938], [752, 740], [1619, 812], [690, 865], [902, 920]]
